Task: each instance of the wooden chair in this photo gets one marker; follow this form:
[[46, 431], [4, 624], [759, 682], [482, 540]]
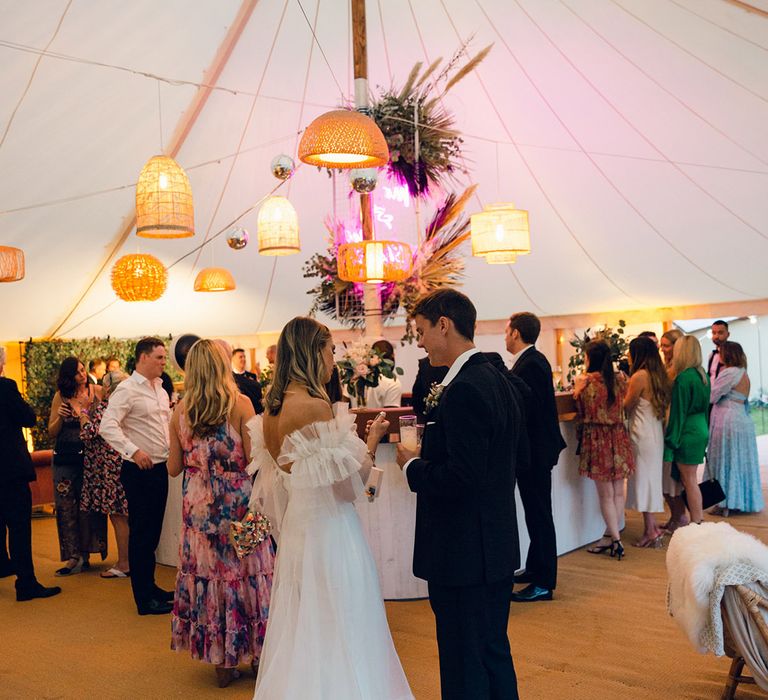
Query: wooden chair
[[753, 602]]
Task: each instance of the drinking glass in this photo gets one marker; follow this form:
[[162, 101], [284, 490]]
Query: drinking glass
[[409, 436]]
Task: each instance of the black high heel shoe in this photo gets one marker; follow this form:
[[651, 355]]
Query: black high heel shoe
[[601, 548], [617, 549]]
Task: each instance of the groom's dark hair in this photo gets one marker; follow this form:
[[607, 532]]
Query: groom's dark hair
[[451, 304]]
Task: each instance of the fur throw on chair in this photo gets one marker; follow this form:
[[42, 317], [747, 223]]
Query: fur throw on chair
[[701, 561]]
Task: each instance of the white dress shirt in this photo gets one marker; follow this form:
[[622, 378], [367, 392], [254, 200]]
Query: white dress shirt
[[713, 366], [137, 418], [458, 363], [387, 393], [516, 355]]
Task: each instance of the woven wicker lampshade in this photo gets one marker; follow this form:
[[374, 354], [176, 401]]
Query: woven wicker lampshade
[[164, 200], [278, 227], [500, 258], [139, 278], [343, 139], [11, 264], [374, 261], [214, 279], [500, 228]]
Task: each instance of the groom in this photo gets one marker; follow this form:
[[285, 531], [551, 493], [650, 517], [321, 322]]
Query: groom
[[466, 544]]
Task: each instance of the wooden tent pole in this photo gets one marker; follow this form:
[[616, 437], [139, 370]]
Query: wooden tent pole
[[373, 320]]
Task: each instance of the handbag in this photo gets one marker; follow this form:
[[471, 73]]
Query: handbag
[[248, 533], [68, 452], [711, 494]]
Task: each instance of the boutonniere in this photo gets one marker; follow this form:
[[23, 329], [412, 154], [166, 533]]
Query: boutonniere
[[433, 397]]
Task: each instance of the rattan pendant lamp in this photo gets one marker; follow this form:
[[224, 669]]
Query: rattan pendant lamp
[[139, 277], [500, 233], [164, 206], [278, 227], [214, 279], [374, 261], [343, 139], [11, 264]]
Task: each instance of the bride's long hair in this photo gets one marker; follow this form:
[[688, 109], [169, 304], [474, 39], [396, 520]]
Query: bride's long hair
[[299, 359]]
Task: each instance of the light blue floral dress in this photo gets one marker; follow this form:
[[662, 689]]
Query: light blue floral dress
[[732, 452]]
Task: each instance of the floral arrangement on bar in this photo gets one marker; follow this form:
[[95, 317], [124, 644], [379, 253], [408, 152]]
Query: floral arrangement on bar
[[362, 367], [436, 264], [265, 376], [439, 156], [615, 339]]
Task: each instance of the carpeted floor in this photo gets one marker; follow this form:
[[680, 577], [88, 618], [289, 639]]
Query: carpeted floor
[[606, 636]]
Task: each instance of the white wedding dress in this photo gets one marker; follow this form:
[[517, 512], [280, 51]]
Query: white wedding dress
[[327, 635]]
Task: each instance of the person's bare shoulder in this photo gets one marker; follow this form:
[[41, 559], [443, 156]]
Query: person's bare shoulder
[[243, 406], [302, 411]]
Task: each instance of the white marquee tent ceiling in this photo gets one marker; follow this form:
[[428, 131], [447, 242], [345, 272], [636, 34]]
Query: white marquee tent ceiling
[[634, 131]]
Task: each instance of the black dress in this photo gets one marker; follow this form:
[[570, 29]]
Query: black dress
[[79, 532]]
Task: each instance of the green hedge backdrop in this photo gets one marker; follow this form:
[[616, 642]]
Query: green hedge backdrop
[[41, 367]]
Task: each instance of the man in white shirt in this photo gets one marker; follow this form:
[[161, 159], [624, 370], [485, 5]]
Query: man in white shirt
[[389, 390], [135, 424]]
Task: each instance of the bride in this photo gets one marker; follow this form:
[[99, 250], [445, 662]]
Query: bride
[[327, 637]]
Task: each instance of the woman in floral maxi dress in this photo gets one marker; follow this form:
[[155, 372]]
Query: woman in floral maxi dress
[[221, 602]]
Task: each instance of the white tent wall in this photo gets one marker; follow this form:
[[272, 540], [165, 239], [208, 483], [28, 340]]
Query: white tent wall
[[634, 131]]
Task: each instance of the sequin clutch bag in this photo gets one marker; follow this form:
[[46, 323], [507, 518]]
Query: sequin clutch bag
[[248, 533]]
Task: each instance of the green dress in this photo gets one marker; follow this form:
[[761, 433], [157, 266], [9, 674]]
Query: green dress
[[685, 441]]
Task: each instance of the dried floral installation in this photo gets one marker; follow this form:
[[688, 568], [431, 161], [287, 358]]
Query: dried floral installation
[[439, 156], [436, 263]]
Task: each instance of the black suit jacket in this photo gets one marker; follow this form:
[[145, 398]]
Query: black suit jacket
[[544, 436], [15, 414], [523, 396], [249, 385], [425, 378], [711, 359], [466, 526]]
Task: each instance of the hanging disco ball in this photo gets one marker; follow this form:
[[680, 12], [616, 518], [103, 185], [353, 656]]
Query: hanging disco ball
[[282, 166], [237, 238], [363, 179]]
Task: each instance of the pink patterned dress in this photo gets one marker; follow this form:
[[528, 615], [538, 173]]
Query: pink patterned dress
[[102, 490], [221, 602]]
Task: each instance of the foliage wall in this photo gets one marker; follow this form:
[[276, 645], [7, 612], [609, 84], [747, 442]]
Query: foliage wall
[[616, 340], [41, 367]]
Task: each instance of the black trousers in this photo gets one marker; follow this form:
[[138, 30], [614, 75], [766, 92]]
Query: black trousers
[[536, 494], [146, 491], [16, 513], [475, 660], [5, 561]]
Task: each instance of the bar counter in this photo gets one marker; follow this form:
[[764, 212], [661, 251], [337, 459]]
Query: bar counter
[[389, 521]]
